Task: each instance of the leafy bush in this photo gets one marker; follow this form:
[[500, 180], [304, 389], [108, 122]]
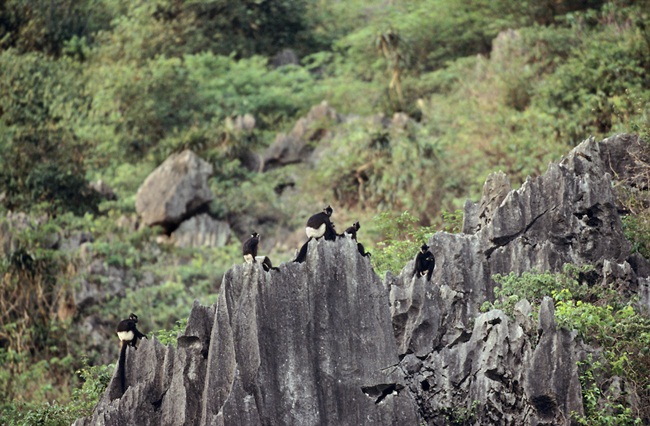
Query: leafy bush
[[95, 380], [534, 286], [453, 221], [46, 25], [402, 239], [637, 231], [41, 158], [601, 411], [175, 280], [623, 334], [588, 91], [158, 106], [365, 167], [36, 305], [170, 337], [35, 283]]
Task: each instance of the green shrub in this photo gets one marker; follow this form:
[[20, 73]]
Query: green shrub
[[534, 286], [94, 379], [365, 166], [178, 278], [402, 239], [637, 231], [588, 91], [452, 222], [41, 157], [599, 409], [47, 26], [170, 337]]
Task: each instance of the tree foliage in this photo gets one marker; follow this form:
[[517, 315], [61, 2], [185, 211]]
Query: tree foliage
[[42, 161], [48, 26]]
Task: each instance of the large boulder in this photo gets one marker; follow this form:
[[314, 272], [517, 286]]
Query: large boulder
[[201, 230], [174, 191], [297, 145]]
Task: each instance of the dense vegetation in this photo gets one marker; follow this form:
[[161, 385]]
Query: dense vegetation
[[107, 89]]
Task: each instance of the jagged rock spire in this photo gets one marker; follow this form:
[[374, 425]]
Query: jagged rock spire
[[313, 343], [309, 344]]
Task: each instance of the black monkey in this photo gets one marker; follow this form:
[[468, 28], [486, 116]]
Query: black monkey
[[362, 250], [320, 225], [249, 248], [129, 335], [302, 254], [424, 263], [267, 265], [352, 231]]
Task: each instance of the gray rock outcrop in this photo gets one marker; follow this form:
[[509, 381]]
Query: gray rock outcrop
[[325, 342], [201, 230], [309, 344], [297, 145], [174, 191], [568, 215]]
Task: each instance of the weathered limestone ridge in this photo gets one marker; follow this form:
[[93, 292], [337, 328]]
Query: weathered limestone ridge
[[325, 342], [309, 344], [487, 368]]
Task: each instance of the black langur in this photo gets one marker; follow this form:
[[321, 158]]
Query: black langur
[[362, 250], [129, 335], [352, 231], [302, 254], [424, 263], [268, 266], [320, 225], [249, 248]]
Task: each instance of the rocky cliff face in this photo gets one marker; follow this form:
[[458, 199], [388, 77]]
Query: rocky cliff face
[[326, 342], [311, 343], [456, 358]]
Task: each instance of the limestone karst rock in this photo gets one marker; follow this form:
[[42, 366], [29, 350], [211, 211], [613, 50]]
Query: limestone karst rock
[[567, 215], [326, 342], [202, 230], [310, 344], [297, 145]]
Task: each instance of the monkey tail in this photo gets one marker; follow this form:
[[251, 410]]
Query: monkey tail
[[122, 367], [302, 255]]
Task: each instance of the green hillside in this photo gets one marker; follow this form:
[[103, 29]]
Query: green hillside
[[107, 90]]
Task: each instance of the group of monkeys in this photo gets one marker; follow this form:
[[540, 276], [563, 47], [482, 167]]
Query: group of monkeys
[[318, 226]]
